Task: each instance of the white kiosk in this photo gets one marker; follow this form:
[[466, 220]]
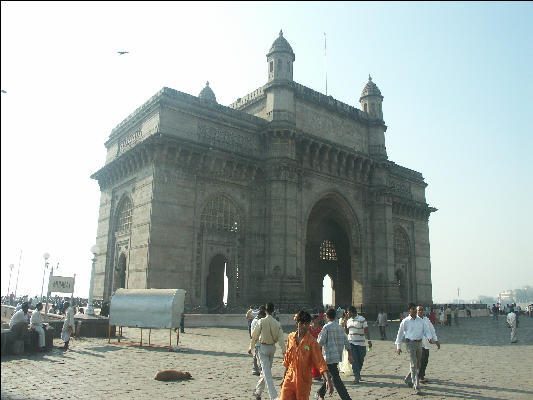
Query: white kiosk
[[146, 309]]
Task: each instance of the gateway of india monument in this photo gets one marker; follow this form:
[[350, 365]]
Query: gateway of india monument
[[279, 189]]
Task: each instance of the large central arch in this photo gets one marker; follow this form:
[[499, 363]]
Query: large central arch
[[332, 248]]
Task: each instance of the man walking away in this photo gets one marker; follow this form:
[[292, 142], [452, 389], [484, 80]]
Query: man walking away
[[412, 329], [495, 312], [511, 321], [257, 363], [382, 323], [333, 340], [268, 331], [250, 315], [356, 328], [425, 345]]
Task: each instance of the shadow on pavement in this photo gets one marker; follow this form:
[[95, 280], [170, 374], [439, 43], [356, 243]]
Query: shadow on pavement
[[104, 349], [479, 387], [217, 353]]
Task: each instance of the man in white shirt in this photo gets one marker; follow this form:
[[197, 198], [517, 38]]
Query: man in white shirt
[[511, 321], [356, 328], [382, 323], [68, 325], [20, 317], [36, 323], [268, 332], [255, 352], [425, 344], [19, 321], [250, 315], [412, 329]]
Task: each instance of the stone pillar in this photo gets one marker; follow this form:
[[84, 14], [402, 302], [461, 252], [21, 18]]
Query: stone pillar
[[381, 244]]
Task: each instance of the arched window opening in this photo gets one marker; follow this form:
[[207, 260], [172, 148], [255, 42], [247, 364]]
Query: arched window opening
[[327, 251], [327, 291], [124, 213], [401, 245], [401, 262], [220, 215]]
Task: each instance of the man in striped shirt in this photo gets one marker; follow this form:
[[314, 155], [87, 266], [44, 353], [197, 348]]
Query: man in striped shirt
[[333, 341], [356, 328]]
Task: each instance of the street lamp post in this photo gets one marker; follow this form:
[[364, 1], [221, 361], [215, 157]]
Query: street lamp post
[[46, 256], [11, 266], [48, 291], [90, 310]]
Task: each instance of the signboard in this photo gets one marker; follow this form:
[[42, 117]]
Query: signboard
[[61, 284]]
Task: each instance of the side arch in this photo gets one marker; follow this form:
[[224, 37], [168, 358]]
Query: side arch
[[403, 273], [220, 232]]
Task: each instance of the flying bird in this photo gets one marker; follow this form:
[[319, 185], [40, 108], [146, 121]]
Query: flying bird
[[3, 91], [122, 52]]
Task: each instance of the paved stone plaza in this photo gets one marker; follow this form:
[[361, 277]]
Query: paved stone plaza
[[476, 361]]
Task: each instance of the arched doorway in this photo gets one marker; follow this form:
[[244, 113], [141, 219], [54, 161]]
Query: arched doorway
[[215, 283], [120, 273], [328, 252]]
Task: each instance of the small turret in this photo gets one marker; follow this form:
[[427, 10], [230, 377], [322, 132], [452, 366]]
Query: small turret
[[208, 94], [371, 100], [280, 59]]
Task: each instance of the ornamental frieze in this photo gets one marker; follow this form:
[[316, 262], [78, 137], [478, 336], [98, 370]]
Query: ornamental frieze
[[228, 140]]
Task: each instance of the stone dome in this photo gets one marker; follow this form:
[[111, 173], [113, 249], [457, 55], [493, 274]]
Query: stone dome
[[207, 93], [370, 89], [280, 45]]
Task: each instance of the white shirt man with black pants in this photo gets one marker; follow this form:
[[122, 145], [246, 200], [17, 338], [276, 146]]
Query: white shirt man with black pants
[[412, 329], [425, 344]]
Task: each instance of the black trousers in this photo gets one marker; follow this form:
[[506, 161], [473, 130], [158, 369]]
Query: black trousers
[[423, 363], [337, 382]]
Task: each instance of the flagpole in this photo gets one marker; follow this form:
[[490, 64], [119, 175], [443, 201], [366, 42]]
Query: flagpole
[[18, 273], [326, 63]]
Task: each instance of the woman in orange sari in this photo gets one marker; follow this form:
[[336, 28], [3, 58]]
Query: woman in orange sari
[[314, 329], [303, 351]]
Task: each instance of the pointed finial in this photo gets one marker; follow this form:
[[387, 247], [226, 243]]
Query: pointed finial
[[281, 32], [207, 83], [369, 77]]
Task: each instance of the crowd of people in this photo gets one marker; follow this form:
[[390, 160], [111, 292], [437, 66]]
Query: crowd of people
[[325, 344], [56, 304], [22, 324]]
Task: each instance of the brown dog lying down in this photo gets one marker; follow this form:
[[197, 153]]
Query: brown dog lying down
[[171, 375]]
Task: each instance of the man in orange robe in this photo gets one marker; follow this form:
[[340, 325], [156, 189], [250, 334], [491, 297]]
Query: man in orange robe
[[303, 351]]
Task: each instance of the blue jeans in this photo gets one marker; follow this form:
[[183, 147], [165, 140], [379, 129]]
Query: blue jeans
[[358, 355]]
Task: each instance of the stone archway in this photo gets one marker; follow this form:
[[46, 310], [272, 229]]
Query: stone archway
[[328, 252], [214, 292]]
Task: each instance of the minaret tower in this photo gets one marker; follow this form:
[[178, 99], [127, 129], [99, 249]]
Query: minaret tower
[[280, 59], [279, 89], [371, 100]]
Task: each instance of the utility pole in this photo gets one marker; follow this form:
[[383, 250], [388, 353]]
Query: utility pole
[[18, 273]]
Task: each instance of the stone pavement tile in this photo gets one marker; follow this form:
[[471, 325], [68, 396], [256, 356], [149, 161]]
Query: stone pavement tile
[[476, 361]]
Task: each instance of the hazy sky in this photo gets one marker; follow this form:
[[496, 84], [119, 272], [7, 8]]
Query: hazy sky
[[456, 80]]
